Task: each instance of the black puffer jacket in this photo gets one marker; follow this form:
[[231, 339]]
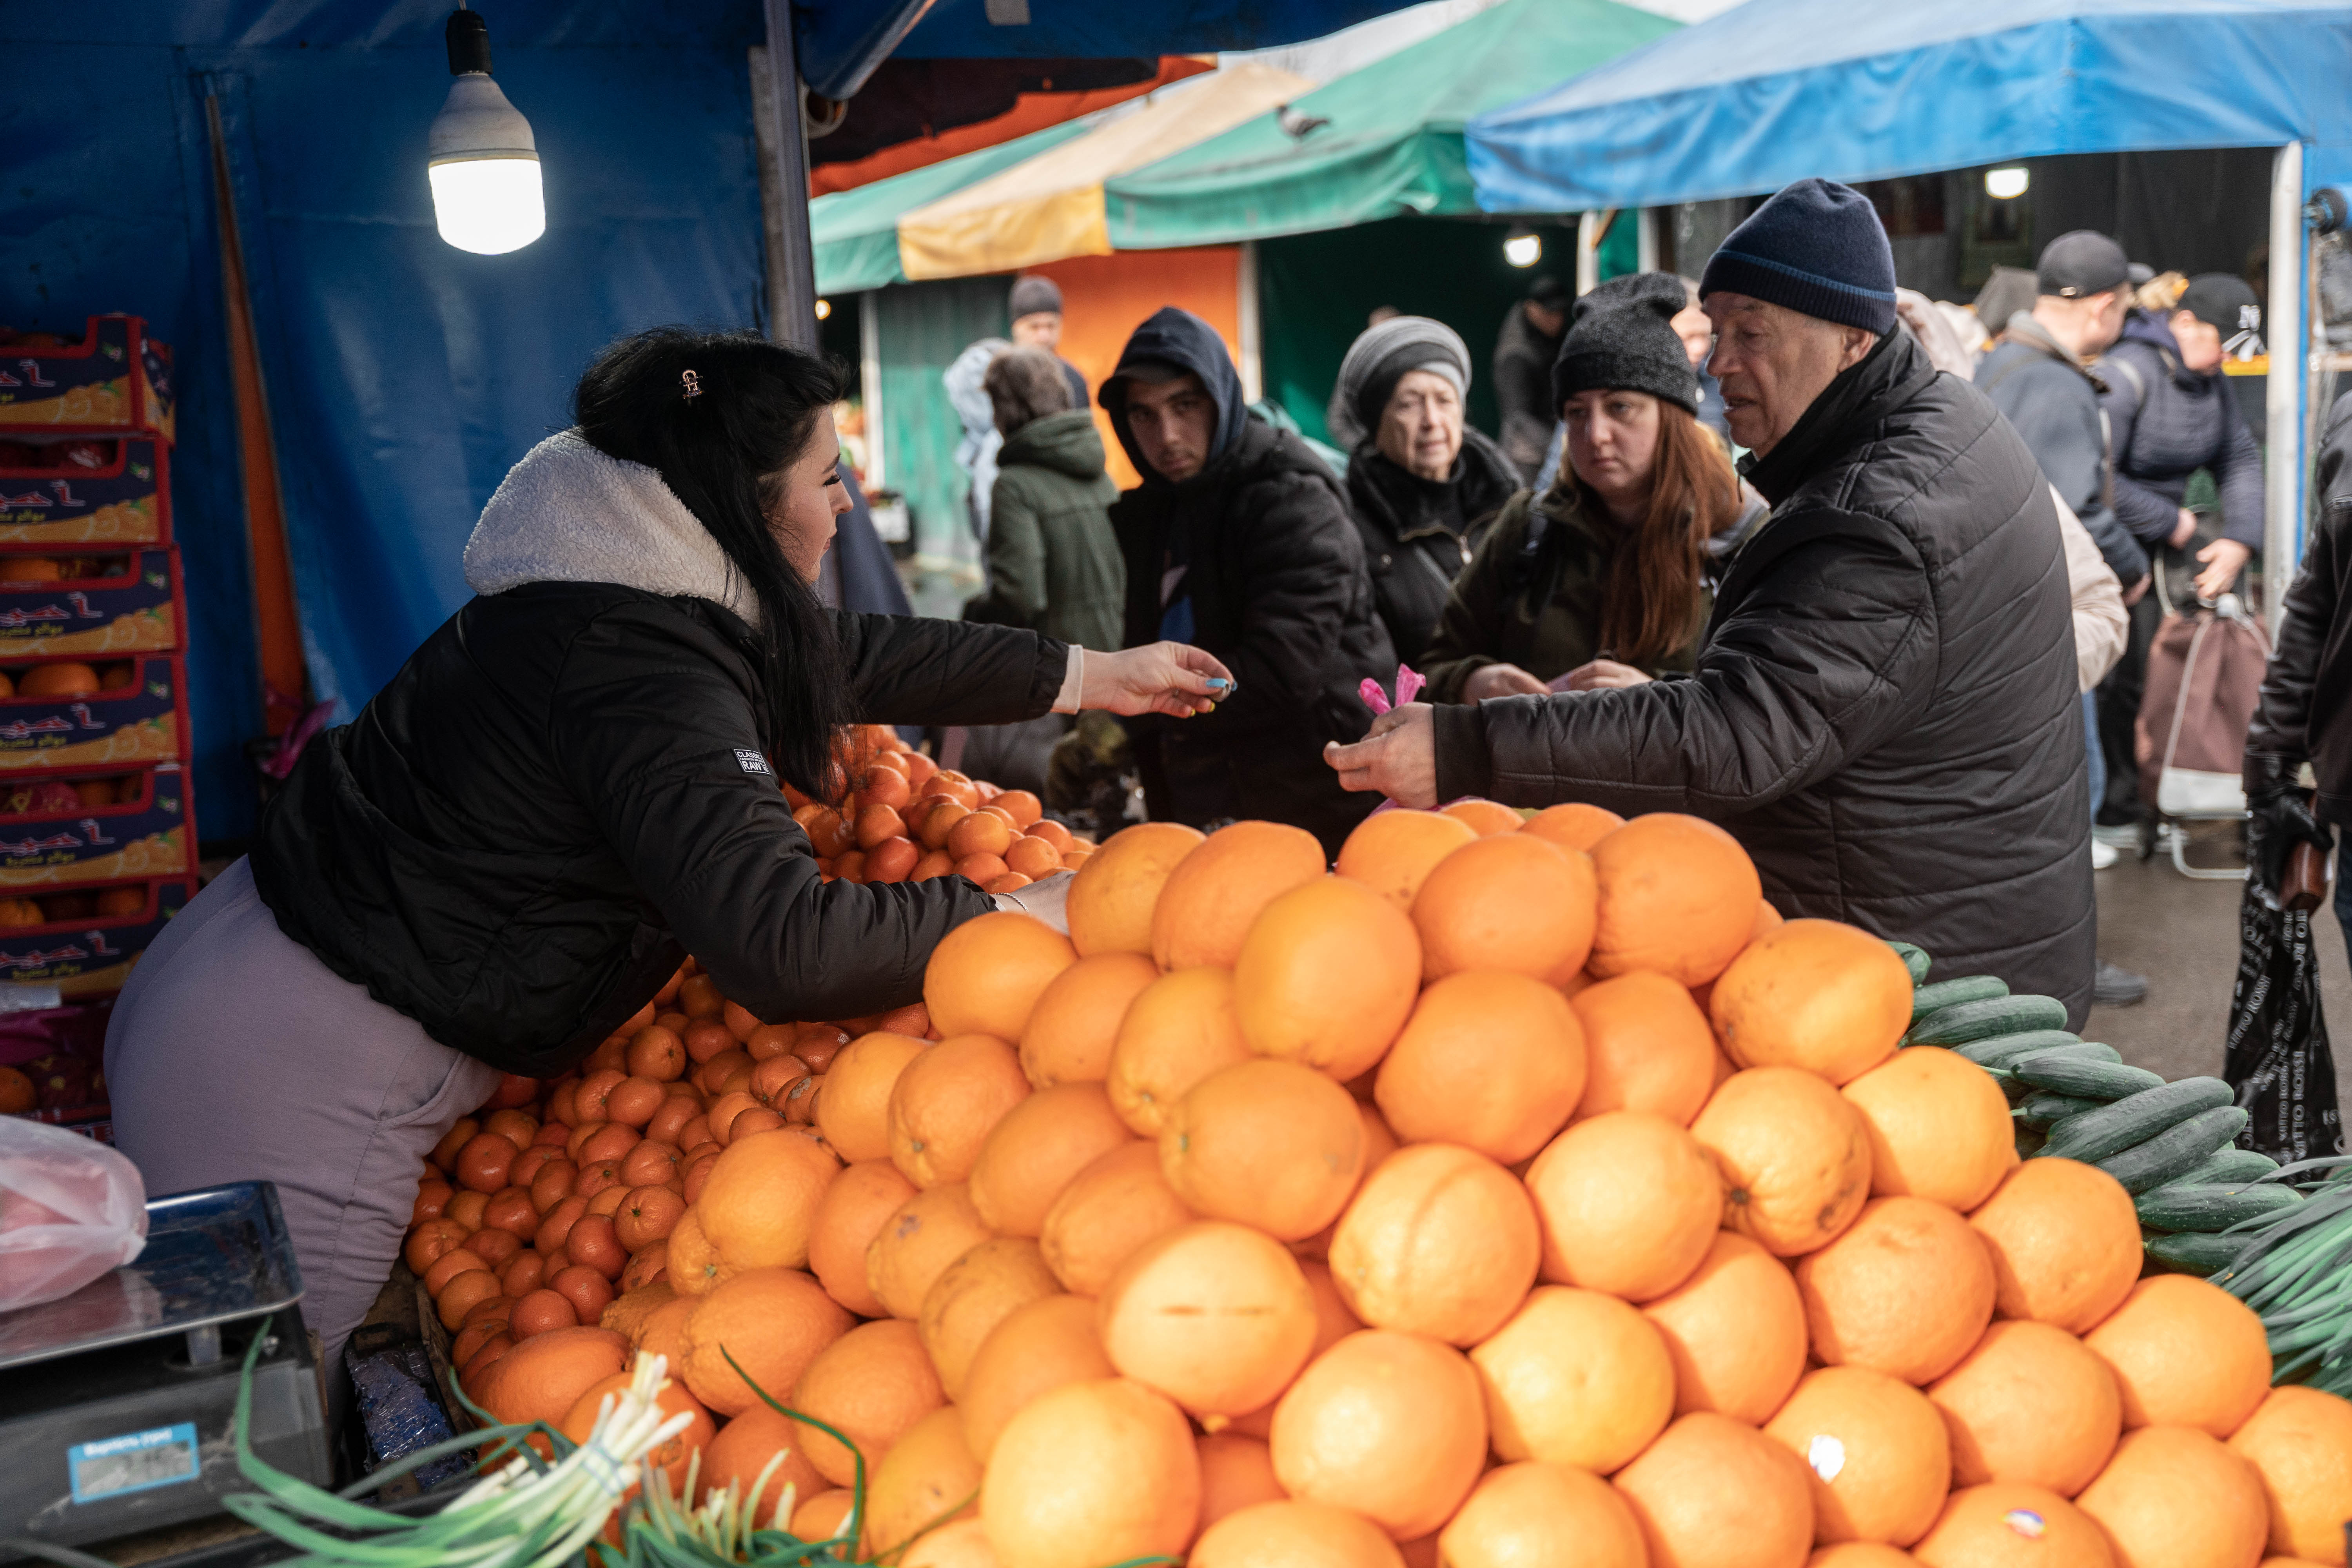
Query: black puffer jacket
[[2169, 421], [1884, 711], [1272, 584], [561, 794], [1419, 533], [2306, 714]]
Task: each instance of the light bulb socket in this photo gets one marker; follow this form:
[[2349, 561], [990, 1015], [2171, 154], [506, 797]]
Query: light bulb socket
[[469, 44], [476, 121]]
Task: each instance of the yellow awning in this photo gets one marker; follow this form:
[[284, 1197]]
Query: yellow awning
[[1051, 206]]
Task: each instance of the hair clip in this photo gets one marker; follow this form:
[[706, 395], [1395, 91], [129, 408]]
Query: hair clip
[[693, 385]]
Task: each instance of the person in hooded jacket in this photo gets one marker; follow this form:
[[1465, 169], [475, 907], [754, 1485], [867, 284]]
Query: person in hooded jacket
[[569, 787], [1053, 562], [1239, 540], [1423, 485], [1884, 712]]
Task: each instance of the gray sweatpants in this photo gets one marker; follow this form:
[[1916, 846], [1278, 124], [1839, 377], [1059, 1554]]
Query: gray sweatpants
[[236, 1055]]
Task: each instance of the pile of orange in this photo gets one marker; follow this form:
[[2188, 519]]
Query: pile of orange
[[1514, 1194]]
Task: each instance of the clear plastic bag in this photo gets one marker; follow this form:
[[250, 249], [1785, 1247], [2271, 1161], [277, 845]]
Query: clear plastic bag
[[70, 1209]]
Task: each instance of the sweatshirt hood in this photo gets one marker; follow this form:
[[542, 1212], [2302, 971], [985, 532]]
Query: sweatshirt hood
[[1067, 442], [1181, 339], [2147, 327], [569, 513]]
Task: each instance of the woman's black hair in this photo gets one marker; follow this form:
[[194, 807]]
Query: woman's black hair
[[723, 451]]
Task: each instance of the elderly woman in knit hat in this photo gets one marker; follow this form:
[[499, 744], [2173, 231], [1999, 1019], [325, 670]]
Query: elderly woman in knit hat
[[1423, 486]]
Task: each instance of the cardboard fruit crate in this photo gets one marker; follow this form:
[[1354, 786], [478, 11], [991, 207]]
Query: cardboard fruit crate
[[141, 721], [90, 955], [97, 606], [66, 833], [116, 378], [56, 492]]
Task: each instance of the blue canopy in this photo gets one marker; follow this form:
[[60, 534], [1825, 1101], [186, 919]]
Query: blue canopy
[[1774, 91]]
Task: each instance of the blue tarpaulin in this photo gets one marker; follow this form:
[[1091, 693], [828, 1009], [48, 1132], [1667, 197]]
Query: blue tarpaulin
[[1774, 91]]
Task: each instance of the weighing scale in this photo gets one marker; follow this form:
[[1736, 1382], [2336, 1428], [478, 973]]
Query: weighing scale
[[117, 1403]]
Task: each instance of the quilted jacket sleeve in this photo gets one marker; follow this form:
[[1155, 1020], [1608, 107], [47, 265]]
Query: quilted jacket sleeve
[[914, 669]]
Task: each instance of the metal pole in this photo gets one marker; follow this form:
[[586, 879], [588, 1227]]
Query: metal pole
[[2290, 357], [1253, 362], [1588, 253], [791, 274], [1645, 240]]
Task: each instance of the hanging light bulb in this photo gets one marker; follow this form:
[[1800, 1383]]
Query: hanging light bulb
[[481, 158], [2007, 184], [1523, 247]]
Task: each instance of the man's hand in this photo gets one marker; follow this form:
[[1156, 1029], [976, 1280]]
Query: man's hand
[[1604, 675], [1500, 680], [2138, 590], [1170, 678], [1397, 759], [2184, 530], [2224, 559]]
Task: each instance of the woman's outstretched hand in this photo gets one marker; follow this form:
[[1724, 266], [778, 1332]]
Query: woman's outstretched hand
[[1170, 678], [1398, 757]]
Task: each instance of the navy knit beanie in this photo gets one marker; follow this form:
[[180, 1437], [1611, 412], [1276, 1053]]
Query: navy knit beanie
[[1622, 335], [1816, 248]]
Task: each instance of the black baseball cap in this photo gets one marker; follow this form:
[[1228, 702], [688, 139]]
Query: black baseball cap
[[2083, 262], [2221, 300], [1548, 292]]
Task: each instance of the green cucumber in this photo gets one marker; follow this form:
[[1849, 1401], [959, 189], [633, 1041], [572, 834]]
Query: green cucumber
[[1914, 959], [2002, 1049], [2173, 1154], [2183, 1206], [2194, 1253], [1945, 992], [2231, 1168], [1965, 1021], [2066, 1071], [2111, 1129], [2044, 1108]]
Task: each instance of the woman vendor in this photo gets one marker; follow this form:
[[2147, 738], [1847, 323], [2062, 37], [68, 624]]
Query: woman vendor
[[571, 786]]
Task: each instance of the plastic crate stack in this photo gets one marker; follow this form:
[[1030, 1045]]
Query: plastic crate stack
[[98, 833]]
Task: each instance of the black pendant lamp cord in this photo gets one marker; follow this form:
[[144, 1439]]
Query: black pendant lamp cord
[[470, 43]]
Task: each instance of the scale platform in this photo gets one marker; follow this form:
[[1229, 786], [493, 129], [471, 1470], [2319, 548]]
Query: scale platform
[[117, 1403]]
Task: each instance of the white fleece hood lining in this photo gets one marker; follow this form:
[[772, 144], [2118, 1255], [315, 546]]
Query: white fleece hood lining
[[568, 514]]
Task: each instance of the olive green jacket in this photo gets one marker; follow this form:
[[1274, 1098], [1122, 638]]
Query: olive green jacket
[[1054, 564]]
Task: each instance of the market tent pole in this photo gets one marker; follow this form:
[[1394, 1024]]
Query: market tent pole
[[783, 149], [2288, 337]]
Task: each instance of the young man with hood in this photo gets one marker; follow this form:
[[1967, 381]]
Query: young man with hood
[[1241, 535], [1884, 710]]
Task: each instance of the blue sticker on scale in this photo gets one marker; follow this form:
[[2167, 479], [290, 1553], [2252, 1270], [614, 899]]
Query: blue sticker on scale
[[134, 1462]]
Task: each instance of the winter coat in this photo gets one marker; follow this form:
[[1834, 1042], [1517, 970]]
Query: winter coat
[[2169, 421], [1053, 562], [1884, 710], [2305, 712], [1522, 358], [2052, 400], [1256, 559], [1420, 533], [2331, 477], [563, 793]]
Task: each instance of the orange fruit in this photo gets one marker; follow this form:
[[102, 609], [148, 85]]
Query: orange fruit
[[2174, 1497], [1328, 976], [962, 1544], [1629, 1203], [2297, 1440], [1647, 1047], [2006, 1523], [1734, 1330], [2064, 1241], [771, 1322], [1283, 1532], [928, 1474], [1273, 1145], [1237, 1472], [1795, 1156], [1213, 896], [871, 1384], [1512, 903], [1528, 1513], [1213, 1315], [1076, 1021], [59, 680], [854, 1110], [1333, 1322], [1040, 1345], [1676, 895], [759, 1206], [1180, 1028], [823, 1514], [1574, 826], [1390, 1425], [986, 975], [2185, 1352], [1906, 1290], [1037, 1149], [1111, 899], [1492, 1061], [1438, 1240], [1090, 1473], [1392, 852], [1712, 1493], [1575, 1378], [1818, 994], [1109, 1209], [1860, 1554], [628, 1315], [1877, 1456], [1939, 1127], [972, 1294], [663, 1332], [2029, 1404], [917, 1243], [1486, 817], [851, 1213], [543, 1376], [947, 1102], [742, 1449]]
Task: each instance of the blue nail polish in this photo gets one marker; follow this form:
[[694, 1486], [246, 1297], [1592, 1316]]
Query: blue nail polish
[[1219, 685]]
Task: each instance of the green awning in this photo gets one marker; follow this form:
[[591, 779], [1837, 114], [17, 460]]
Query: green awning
[[1393, 145], [856, 233]]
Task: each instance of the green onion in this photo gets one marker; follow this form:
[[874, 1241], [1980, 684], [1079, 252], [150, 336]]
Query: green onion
[[2296, 1273]]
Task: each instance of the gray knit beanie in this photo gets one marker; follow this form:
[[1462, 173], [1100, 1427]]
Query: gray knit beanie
[[1381, 354], [1622, 335], [1033, 296]]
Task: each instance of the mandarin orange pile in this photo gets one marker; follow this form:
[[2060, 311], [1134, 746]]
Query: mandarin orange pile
[[1514, 1195]]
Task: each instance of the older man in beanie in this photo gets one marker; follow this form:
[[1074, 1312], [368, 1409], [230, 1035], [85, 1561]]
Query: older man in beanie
[[1884, 712], [1424, 486]]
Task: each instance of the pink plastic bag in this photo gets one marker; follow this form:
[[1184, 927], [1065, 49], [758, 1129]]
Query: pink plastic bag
[[70, 1209]]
